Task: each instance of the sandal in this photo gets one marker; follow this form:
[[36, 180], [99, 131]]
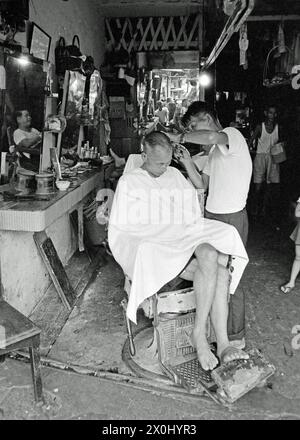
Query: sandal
[[286, 289], [232, 354]]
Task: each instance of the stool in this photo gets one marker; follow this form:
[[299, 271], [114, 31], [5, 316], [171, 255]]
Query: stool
[[17, 332]]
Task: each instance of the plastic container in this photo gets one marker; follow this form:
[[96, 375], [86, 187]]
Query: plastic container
[[278, 153]]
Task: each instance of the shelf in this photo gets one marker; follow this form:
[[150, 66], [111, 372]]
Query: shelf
[[283, 83]]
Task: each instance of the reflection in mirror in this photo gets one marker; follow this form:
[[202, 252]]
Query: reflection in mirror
[[25, 84], [91, 122], [73, 111], [94, 89]]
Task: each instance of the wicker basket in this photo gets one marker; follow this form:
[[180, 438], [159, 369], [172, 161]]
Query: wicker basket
[[96, 233]]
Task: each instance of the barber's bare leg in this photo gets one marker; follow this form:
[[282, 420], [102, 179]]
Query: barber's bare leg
[[219, 314], [205, 281]]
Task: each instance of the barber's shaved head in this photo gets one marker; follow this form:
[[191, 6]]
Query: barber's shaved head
[[157, 153]]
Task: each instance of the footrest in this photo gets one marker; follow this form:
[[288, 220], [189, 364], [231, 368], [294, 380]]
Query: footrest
[[178, 359], [236, 378]]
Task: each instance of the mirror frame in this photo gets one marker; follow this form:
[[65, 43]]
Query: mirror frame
[[14, 52]]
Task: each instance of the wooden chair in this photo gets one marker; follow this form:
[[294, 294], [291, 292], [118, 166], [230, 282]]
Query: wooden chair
[[18, 332]]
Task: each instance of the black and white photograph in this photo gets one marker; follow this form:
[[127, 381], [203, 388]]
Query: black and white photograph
[[149, 214]]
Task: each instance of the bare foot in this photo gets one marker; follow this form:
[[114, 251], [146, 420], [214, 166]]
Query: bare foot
[[231, 353], [287, 288], [207, 359]]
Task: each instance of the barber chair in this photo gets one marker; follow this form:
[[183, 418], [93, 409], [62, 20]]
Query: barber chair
[[175, 297]]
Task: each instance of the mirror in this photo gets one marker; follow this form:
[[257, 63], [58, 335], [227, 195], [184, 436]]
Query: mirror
[[91, 121], [93, 93], [74, 92], [25, 84]]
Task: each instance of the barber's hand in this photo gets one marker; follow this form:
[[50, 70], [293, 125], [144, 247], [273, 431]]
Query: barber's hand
[[173, 137], [181, 154]]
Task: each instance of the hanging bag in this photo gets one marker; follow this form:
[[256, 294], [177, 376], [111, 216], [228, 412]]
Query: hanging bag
[[74, 48], [68, 57], [60, 55]]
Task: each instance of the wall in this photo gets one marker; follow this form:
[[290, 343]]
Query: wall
[[66, 18], [24, 276]]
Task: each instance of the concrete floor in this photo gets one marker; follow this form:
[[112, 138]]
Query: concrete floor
[[94, 335]]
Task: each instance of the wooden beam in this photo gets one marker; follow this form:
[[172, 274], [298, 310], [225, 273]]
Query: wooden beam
[[200, 31], [274, 18], [55, 268], [233, 24], [166, 39]]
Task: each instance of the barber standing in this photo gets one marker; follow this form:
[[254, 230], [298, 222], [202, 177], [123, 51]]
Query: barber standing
[[227, 176]]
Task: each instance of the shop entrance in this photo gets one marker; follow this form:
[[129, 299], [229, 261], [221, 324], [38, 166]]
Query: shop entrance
[[175, 90]]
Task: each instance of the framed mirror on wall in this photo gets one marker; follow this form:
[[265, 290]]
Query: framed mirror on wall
[[40, 43], [25, 90], [91, 122], [71, 107]]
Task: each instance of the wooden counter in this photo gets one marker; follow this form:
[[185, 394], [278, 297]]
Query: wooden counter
[[37, 215], [24, 276]]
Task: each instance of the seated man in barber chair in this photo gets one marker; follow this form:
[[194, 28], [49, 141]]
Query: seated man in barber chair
[[28, 142], [155, 228]]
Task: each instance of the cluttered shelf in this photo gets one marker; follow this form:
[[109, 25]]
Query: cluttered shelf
[[37, 213]]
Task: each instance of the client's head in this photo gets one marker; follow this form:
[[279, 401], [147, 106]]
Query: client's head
[[156, 153]]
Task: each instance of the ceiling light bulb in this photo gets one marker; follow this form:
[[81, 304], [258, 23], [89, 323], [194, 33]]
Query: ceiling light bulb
[[205, 79]]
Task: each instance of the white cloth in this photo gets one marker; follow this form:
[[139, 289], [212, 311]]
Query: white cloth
[[133, 161], [151, 248], [20, 135], [230, 170], [267, 140]]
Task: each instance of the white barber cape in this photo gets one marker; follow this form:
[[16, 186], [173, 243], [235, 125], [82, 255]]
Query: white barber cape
[[154, 228]]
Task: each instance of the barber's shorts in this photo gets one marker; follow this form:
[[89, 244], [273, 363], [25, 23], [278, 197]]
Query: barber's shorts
[[265, 170], [237, 219]]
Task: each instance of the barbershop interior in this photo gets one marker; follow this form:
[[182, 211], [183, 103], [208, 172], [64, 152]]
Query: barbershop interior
[[115, 114]]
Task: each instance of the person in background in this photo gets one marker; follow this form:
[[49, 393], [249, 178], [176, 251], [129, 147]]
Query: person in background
[[171, 107], [180, 111], [162, 112], [265, 135], [227, 174], [295, 236], [28, 141]]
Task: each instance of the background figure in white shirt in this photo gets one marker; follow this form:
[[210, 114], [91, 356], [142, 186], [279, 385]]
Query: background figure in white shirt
[[227, 175], [295, 236], [162, 112], [180, 111], [28, 141], [265, 135]]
